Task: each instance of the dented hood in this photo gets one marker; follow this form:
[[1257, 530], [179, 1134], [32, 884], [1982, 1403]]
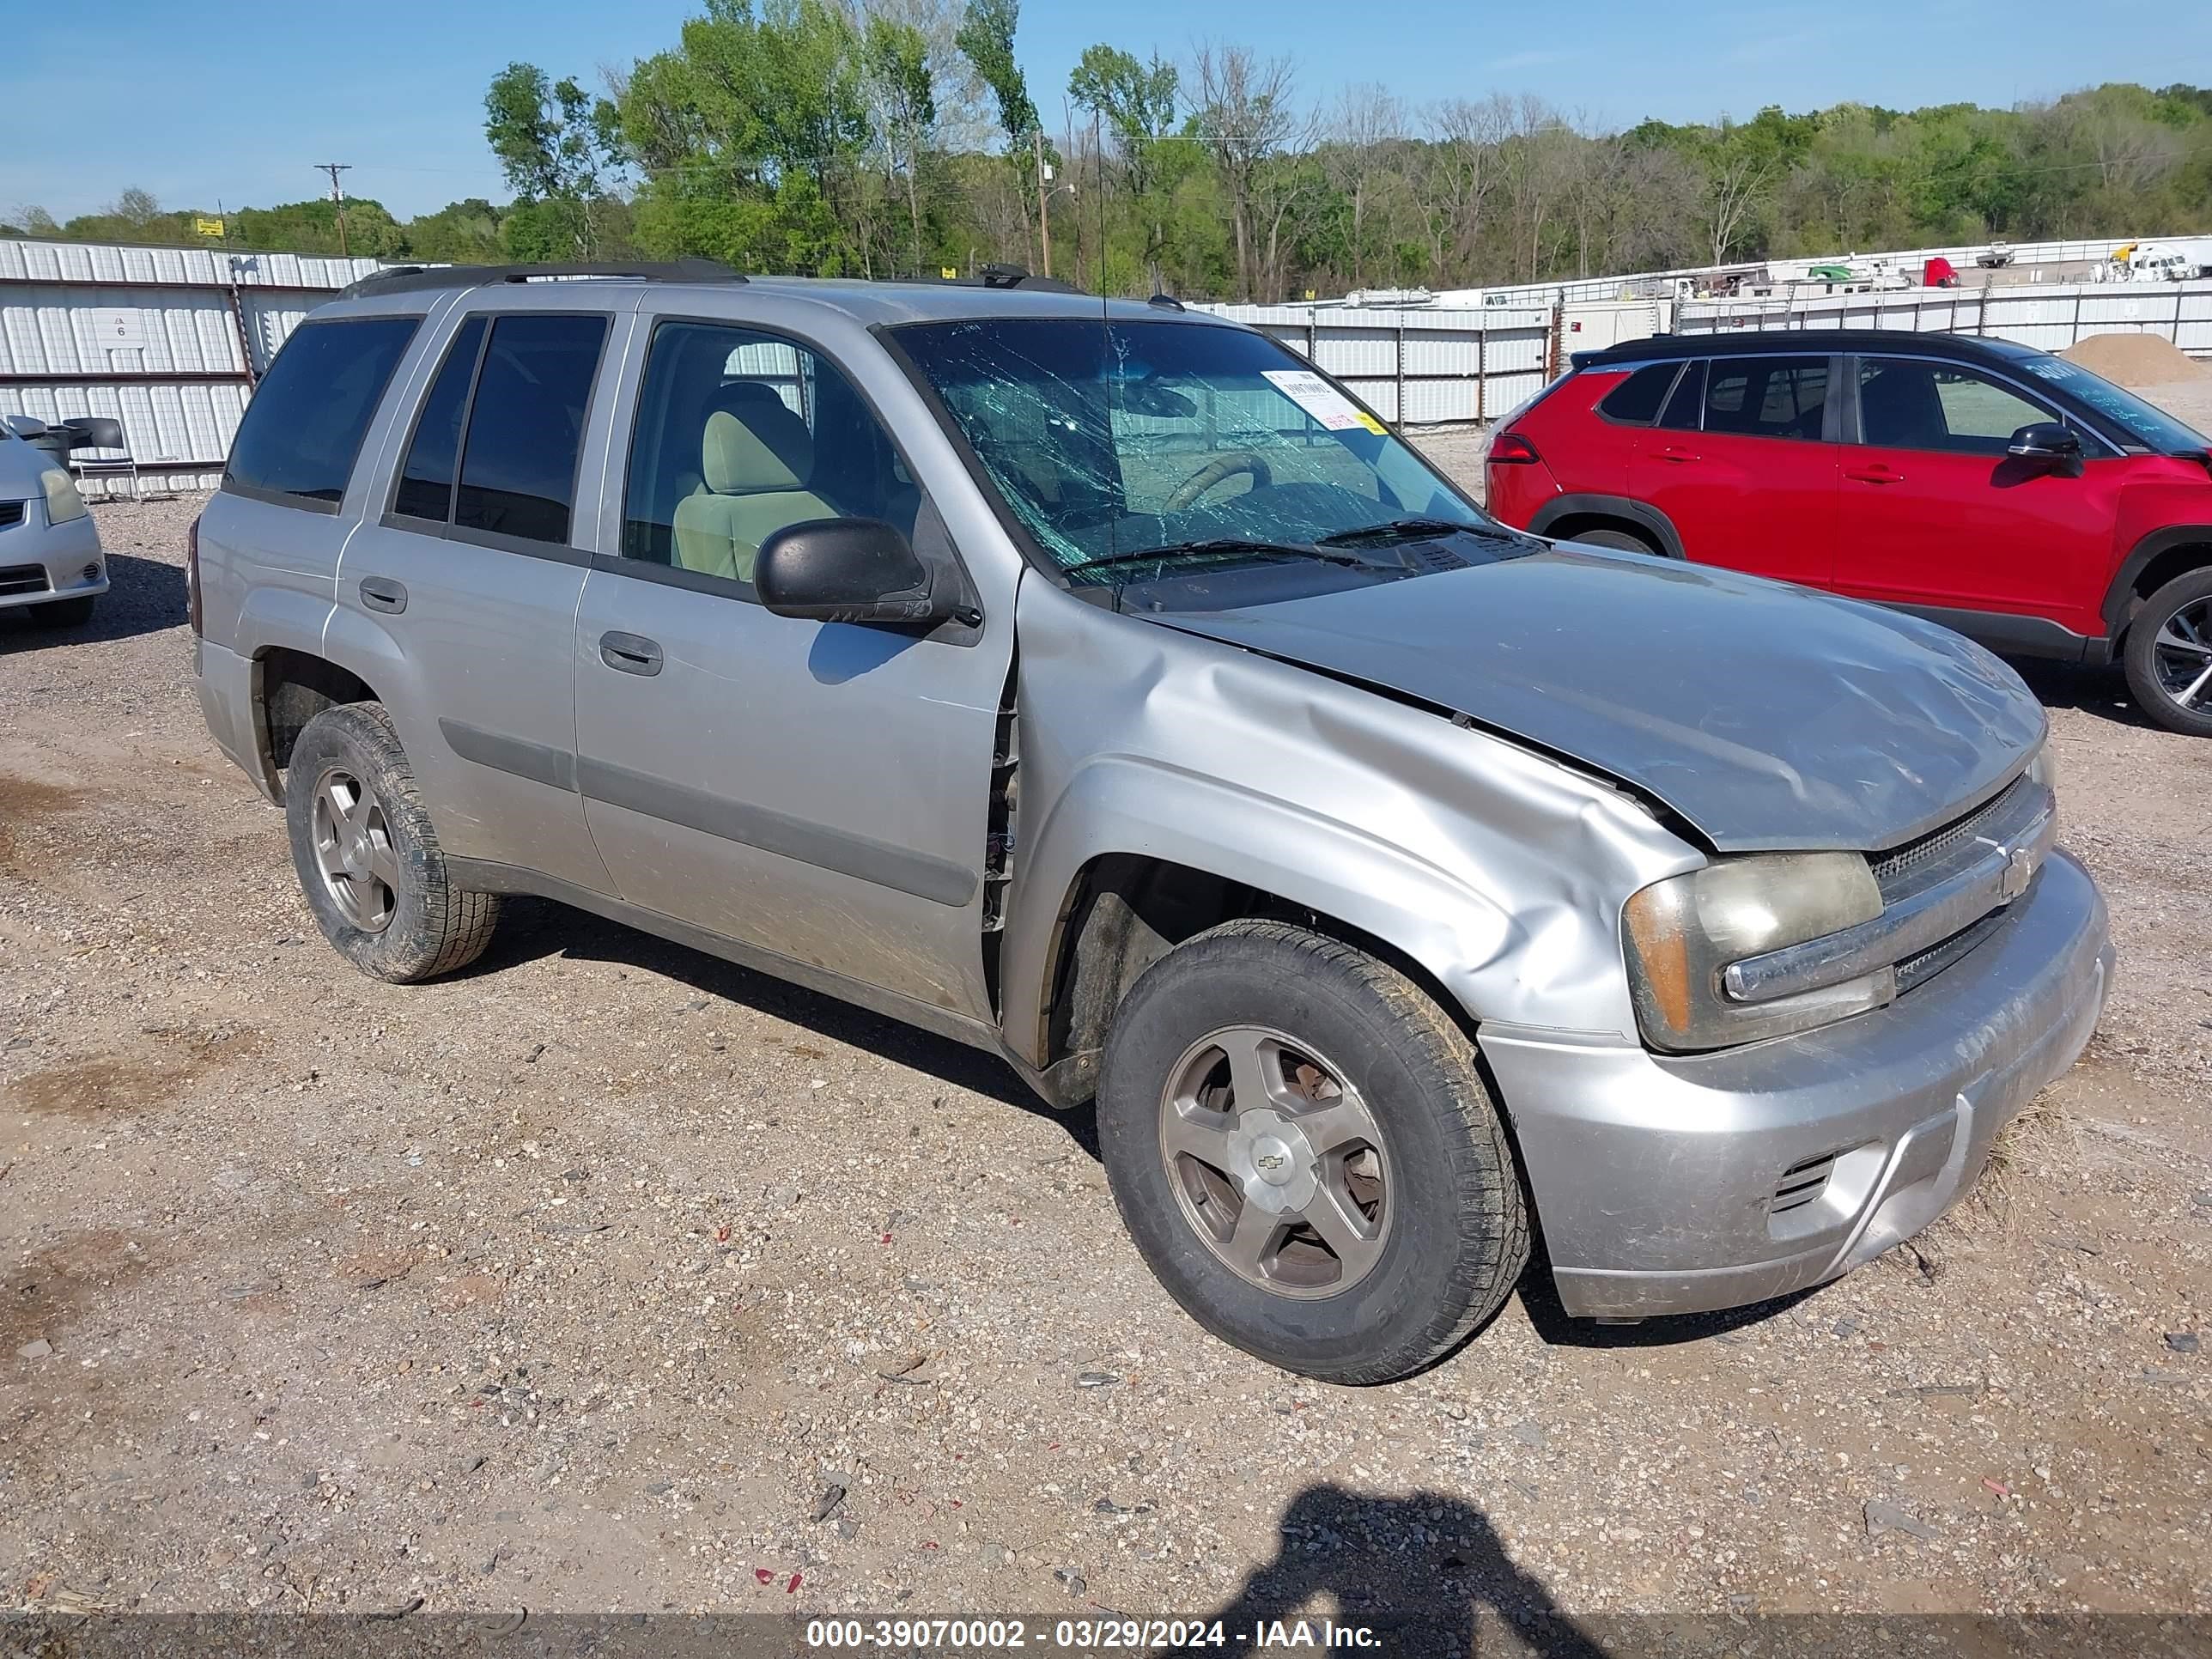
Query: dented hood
[[1767, 716]]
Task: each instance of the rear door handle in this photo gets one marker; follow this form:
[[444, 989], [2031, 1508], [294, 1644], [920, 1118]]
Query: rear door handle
[[1678, 456], [382, 593], [1877, 475], [629, 653]]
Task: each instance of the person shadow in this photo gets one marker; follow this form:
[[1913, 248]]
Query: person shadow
[[1418, 1572]]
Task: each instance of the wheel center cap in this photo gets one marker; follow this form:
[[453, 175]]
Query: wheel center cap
[[1273, 1165], [1276, 1164]]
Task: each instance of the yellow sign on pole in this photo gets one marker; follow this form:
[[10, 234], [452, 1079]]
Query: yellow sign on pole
[[948, 272], [208, 226]]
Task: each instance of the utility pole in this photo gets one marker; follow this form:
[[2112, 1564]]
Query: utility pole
[[1045, 219], [337, 196]]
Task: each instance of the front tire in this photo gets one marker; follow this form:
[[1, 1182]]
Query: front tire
[[367, 857], [2169, 655], [1302, 1147]]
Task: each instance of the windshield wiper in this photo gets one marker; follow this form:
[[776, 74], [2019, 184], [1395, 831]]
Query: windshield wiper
[[1408, 530], [1217, 546]]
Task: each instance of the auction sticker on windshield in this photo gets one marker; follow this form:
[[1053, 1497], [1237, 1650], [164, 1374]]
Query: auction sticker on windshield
[[1320, 399]]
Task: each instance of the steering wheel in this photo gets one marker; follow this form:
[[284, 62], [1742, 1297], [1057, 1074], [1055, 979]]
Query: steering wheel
[[1220, 467]]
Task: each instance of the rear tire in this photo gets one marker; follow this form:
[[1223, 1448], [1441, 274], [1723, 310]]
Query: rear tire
[[367, 857], [1368, 1093], [64, 613], [1625, 541], [2163, 665]]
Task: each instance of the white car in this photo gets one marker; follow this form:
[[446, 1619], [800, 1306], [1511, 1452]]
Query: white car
[[49, 558]]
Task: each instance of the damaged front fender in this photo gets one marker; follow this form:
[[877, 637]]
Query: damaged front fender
[[1501, 872]]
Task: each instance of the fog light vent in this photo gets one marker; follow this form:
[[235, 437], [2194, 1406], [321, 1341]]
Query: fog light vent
[[1801, 1183]]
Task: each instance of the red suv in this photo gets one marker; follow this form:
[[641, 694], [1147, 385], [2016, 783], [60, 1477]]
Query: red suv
[[1995, 488]]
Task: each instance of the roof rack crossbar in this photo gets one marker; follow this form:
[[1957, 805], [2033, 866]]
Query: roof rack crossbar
[[414, 279]]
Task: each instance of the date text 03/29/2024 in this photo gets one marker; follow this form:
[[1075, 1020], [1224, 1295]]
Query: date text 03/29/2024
[[920, 1636]]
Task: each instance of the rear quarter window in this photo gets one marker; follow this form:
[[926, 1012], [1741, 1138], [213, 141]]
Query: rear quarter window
[[1636, 400], [302, 431]]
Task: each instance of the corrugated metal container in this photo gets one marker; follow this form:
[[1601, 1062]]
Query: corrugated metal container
[[170, 341]]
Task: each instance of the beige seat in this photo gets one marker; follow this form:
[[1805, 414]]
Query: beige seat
[[755, 469]]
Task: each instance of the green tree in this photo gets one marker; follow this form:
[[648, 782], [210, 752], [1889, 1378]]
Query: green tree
[[986, 38], [905, 91], [1136, 102], [556, 144]]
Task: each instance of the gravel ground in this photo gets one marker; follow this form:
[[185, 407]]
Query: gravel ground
[[609, 1276]]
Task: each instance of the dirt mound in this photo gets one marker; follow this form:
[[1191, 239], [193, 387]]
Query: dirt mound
[[2134, 360]]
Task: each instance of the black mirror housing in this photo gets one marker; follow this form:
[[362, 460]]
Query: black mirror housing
[[2047, 442], [848, 570]]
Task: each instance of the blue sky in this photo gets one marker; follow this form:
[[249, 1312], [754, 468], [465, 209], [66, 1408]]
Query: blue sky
[[234, 100]]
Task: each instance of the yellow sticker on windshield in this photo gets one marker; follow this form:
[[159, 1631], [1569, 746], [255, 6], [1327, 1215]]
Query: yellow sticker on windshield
[[1370, 422]]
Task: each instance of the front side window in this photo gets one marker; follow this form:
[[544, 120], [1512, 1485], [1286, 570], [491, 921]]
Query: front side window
[[741, 434], [303, 430], [526, 426], [1106, 440], [1906, 403], [1767, 397]]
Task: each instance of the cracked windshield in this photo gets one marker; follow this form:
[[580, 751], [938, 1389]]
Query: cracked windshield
[[1134, 450]]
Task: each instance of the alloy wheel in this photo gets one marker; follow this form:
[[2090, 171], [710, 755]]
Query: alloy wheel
[[1276, 1162], [2182, 656], [354, 851]]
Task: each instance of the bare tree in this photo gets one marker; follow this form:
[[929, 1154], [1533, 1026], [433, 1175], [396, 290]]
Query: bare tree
[[1356, 158], [1246, 120], [1735, 186], [1464, 174]]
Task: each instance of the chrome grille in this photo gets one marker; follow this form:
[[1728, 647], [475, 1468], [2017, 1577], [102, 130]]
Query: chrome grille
[[1919, 969], [22, 579], [1901, 861]]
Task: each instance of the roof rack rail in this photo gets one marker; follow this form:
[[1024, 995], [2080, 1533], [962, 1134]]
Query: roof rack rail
[[414, 279]]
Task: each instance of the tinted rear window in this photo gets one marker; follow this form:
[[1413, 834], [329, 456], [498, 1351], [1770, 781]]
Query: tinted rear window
[[526, 426], [1635, 401], [426, 482], [1767, 397], [1687, 407], [304, 427]]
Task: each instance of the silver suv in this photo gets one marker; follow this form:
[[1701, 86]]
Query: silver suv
[[1098, 684]]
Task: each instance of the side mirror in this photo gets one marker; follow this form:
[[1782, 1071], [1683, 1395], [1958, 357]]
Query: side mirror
[[2046, 442], [849, 570], [25, 426]]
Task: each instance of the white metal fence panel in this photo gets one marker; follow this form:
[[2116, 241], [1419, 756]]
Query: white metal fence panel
[[1418, 367], [2050, 318]]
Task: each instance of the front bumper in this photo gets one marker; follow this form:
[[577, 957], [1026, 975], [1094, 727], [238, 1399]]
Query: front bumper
[[1679, 1184], [61, 552]]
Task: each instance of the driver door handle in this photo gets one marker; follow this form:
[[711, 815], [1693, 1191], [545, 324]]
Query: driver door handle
[[1876, 472], [629, 653]]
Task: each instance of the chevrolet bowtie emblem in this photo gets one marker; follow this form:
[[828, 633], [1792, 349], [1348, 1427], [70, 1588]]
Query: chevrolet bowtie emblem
[[2018, 870]]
